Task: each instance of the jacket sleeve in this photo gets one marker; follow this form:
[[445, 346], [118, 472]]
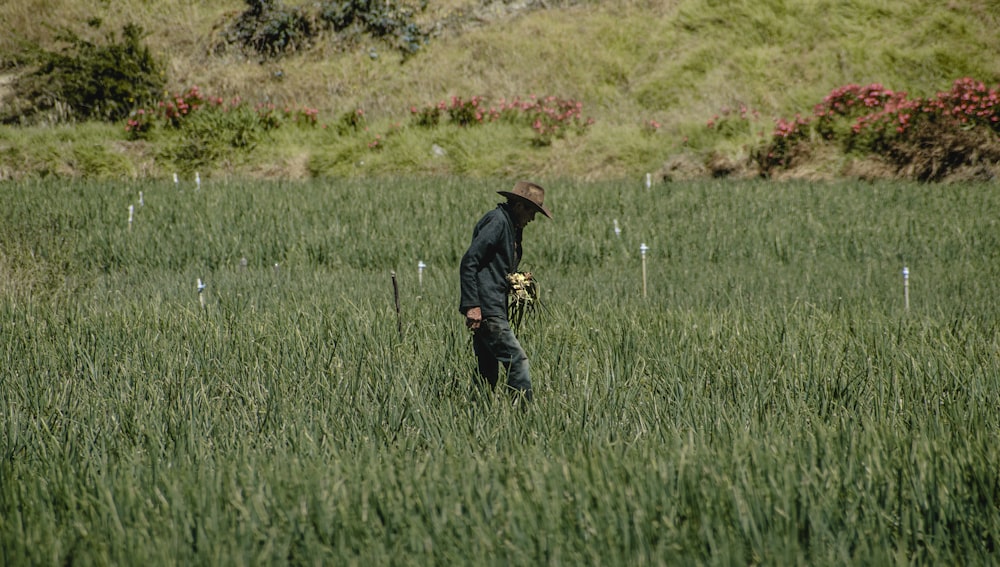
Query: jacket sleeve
[[485, 239]]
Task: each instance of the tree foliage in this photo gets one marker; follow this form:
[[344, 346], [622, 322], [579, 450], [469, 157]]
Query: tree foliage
[[270, 29], [87, 80]]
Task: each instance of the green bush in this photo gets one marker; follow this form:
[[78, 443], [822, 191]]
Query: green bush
[[87, 80], [206, 137], [351, 122], [388, 21], [270, 29], [99, 162]]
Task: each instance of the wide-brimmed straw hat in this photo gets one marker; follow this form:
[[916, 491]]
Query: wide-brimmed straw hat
[[529, 193]]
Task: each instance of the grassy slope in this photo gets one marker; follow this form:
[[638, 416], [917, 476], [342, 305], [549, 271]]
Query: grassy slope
[[678, 62]]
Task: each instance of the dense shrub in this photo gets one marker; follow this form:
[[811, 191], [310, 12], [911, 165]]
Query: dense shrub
[[788, 142], [387, 20], [88, 80], [930, 152], [180, 110], [923, 138], [270, 29], [351, 122], [209, 136], [203, 129]]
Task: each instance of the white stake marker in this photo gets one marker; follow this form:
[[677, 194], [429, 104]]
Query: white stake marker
[[131, 209], [201, 297], [176, 181], [420, 272], [197, 180], [618, 229], [649, 180], [642, 250], [141, 202], [906, 287]]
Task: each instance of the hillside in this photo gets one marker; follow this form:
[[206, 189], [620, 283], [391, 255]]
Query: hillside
[[677, 64]]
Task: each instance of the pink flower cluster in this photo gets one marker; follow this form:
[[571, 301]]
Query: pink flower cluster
[[173, 111], [305, 116], [549, 117], [272, 118], [871, 116], [650, 127], [862, 103], [170, 111], [138, 124], [786, 134], [790, 128], [969, 102], [873, 107]]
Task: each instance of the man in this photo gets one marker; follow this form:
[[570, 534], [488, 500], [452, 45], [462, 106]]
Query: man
[[494, 253]]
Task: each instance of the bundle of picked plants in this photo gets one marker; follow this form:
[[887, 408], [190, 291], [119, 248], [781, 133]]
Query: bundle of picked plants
[[523, 297]]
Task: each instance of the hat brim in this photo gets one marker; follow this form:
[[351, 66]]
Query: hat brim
[[540, 208]]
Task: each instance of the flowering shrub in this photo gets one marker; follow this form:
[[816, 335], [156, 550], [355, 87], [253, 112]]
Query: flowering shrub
[[138, 124], [942, 129], [785, 140], [970, 103], [305, 116], [465, 112], [269, 117], [552, 117], [650, 127], [549, 117], [460, 112], [429, 116], [176, 111], [851, 102], [351, 121]]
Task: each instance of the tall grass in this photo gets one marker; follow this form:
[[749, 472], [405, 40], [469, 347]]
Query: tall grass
[[770, 401]]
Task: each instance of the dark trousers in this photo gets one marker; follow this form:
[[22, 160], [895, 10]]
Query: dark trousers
[[494, 344]]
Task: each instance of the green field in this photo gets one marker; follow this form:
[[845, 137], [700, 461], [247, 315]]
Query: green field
[[772, 400]]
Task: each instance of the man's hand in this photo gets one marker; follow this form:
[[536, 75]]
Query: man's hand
[[474, 318]]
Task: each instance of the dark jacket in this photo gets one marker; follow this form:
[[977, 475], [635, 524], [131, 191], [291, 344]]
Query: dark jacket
[[495, 252]]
